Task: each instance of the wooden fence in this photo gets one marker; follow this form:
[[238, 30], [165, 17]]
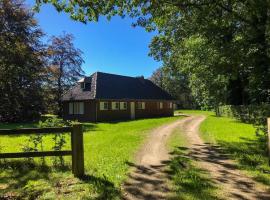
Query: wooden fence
[[268, 126], [76, 151]]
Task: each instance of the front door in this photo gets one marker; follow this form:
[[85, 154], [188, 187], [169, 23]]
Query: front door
[[132, 110]]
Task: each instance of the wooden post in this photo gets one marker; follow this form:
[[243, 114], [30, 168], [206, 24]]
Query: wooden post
[[77, 151], [268, 127]]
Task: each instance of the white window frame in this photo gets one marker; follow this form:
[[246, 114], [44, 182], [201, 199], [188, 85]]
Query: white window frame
[[170, 105], [115, 105], [104, 105], [140, 105], [143, 105], [123, 105], [160, 105]]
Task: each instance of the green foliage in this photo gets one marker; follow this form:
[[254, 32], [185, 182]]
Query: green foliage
[[189, 182], [222, 46], [64, 68], [107, 147], [176, 84], [238, 141], [21, 63]]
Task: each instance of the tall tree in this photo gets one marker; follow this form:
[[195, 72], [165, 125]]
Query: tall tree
[[64, 68], [236, 31], [21, 63], [176, 84]]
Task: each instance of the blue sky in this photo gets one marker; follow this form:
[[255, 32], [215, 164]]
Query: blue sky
[[109, 46]]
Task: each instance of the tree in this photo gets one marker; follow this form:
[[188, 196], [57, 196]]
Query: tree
[[64, 68], [176, 84], [235, 31], [21, 63]]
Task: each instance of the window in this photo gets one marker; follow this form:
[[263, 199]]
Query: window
[[160, 105], [104, 105], [141, 105], [123, 105], [170, 105], [83, 85], [115, 105], [70, 108], [76, 108]]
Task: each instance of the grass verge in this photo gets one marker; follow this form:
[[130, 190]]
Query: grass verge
[[108, 147], [239, 141], [189, 182]]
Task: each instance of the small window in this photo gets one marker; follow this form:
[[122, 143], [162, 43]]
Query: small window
[[104, 105], [70, 108], [170, 105], [76, 108], [123, 105], [81, 105], [161, 105], [141, 105], [83, 85], [115, 105]]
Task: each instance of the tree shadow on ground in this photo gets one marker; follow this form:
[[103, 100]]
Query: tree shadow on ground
[[225, 171], [251, 154], [23, 179], [189, 181]]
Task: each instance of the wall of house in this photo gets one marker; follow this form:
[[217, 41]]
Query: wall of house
[[89, 112], [151, 110], [92, 111]]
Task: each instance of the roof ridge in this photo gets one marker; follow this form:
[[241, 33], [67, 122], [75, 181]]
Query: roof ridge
[[135, 77]]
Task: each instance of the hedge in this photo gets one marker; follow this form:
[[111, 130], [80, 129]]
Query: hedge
[[253, 114]]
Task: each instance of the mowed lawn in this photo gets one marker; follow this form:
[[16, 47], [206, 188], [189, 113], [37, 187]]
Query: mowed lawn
[[108, 147], [239, 141]]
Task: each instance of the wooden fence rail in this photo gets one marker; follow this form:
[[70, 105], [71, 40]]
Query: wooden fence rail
[[76, 151]]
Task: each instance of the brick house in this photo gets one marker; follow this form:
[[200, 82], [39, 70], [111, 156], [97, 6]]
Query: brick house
[[108, 97]]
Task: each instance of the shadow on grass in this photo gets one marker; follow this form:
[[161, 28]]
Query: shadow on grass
[[189, 181], [251, 154], [22, 179]]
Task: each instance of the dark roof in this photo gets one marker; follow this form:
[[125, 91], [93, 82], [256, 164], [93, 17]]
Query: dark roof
[[110, 86]]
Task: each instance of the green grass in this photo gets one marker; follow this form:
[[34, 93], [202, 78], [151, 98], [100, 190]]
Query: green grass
[[240, 142], [108, 148], [189, 182]]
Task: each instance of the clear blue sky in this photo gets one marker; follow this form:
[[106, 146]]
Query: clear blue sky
[[109, 46]]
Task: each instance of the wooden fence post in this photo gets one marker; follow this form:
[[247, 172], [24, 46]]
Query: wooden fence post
[[77, 150], [268, 127]]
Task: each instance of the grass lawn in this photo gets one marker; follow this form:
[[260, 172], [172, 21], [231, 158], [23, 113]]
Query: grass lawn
[[189, 182], [239, 141], [108, 147]]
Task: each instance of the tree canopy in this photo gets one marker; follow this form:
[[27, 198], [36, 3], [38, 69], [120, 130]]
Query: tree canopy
[[222, 46], [33, 74]]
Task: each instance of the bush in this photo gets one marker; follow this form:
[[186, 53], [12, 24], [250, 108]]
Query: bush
[[253, 114]]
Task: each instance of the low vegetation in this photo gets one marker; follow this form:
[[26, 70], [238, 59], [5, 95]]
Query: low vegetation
[[108, 149], [189, 181]]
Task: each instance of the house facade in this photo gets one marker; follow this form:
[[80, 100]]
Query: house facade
[[109, 97]]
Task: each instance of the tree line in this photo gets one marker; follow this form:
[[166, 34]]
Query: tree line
[[220, 48], [33, 74]]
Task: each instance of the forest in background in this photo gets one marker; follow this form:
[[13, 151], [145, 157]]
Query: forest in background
[[214, 53], [33, 74]]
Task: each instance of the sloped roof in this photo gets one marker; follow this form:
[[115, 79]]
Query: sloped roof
[[110, 86]]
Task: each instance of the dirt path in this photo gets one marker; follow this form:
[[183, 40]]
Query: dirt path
[[149, 180], [223, 171]]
